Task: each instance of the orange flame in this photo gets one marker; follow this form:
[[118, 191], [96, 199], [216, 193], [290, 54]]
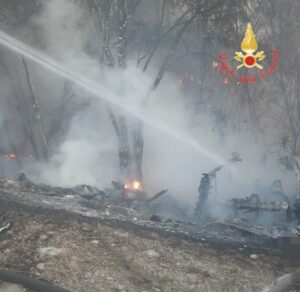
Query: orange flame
[[215, 64], [226, 81], [134, 185], [10, 156]]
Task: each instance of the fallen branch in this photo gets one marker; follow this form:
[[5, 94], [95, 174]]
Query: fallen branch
[[37, 285], [4, 227], [37, 111], [158, 195]]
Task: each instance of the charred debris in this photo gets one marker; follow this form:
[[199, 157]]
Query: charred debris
[[268, 216], [256, 218]]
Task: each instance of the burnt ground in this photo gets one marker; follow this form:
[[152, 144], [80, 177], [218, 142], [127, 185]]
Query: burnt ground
[[110, 253]]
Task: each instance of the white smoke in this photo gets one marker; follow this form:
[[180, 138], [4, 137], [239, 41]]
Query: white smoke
[[89, 153]]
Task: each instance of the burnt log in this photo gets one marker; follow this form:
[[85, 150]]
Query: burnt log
[[158, 195], [203, 190]]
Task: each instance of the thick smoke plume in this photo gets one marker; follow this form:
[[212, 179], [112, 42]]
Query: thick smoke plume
[[88, 155]]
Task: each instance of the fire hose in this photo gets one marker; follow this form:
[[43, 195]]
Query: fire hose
[[26, 282]]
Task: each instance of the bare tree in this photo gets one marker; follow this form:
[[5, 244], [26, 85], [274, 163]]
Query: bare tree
[[19, 105], [37, 113], [116, 20], [284, 106]]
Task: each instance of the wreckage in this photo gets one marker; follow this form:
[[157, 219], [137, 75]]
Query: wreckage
[[119, 210], [129, 204], [200, 212], [272, 215], [125, 198], [91, 202]]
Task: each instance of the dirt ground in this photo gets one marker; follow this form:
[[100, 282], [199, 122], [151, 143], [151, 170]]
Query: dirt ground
[[96, 256]]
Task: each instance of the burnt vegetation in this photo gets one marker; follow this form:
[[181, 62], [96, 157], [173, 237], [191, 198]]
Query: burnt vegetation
[[182, 37], [145, 53]]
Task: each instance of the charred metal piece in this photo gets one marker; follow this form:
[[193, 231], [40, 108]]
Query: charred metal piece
[[200, 211], [23, 179], [243, 226], [253, 204], [203, 191], [158, 195], [155, 218]]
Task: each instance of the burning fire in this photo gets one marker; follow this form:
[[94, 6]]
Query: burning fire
[[226, 81], [185, 79], [10, 156], [134, 185], [179, 81], [215, 64], [13, 156]]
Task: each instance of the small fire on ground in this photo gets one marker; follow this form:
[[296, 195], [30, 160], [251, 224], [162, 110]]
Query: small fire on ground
[[133, 185], [10, 156], [13, 156]]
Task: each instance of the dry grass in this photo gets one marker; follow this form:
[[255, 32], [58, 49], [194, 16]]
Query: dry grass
[[100, 258]]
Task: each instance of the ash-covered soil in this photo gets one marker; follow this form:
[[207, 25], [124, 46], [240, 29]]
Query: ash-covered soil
[[96, 253]]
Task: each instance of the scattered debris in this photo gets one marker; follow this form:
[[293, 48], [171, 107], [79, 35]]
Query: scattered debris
[[46, 252], [155, 218], [110, 208], [152, 253], [124, 244], [240, 225], [5, 227], [254, 256], [254, 204], [26, 185], [43, 237], [41, 267]]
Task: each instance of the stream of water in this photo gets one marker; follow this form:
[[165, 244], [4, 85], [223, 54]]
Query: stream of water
[[102, 92]]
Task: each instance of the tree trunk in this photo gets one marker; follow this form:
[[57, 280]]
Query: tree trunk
[[22, 110], [131, 142], [124, 150], [37, 113], [138, 150], [12, 145]]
